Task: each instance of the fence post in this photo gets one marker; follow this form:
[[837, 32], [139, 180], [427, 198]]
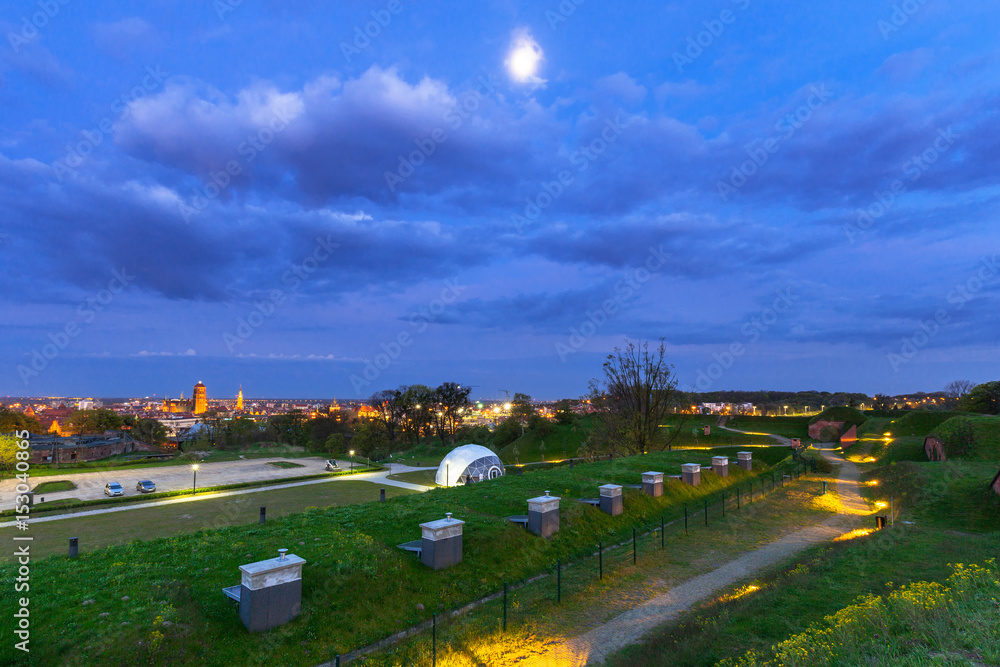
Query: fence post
[[706, 511], [762, 487], [685, 519], [738, 496], [600, 561], [633, 547], [892, 511], [662, 538], [723, 504], [263, 514], [337, 661], [505, 606], [824, 487], [434, 639], [558, 580]]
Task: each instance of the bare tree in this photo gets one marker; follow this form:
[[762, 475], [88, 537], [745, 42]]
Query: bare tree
[[958, 388], [633, 399]]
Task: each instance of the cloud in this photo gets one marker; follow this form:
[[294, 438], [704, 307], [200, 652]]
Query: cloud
[[121, 39], [906, 65]]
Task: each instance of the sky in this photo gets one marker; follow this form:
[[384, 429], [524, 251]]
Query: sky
[[315, 199]]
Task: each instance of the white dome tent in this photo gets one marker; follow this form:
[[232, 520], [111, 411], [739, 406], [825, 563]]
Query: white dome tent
[[466, 464]]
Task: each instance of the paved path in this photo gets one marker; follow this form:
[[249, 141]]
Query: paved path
[[374, 477], [780, 438], [595, 646]]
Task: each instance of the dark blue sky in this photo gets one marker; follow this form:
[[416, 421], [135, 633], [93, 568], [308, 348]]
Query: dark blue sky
[[793, 195]]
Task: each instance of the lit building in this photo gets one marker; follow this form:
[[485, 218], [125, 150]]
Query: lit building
[[200, 399], [239, 399]]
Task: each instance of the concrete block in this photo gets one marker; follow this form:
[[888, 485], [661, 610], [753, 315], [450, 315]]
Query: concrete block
[[611, 499], [543, 515], [745, 460], [441, 542], [271, 591], [720, 465], [691, 473], [652, 484]]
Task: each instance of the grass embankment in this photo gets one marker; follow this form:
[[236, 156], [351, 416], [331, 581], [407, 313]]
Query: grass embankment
[[972, 437], [131, 461], [789, 427], [285, 464], [945, 512], [54, 486], [562, 443], [357, 586], [149, 523]]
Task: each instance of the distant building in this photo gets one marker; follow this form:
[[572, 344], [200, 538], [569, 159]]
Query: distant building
[[239, 399], [200, 399], [52, 449]]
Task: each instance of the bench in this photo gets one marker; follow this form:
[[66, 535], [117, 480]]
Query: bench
[[596, 502], [521, 519]]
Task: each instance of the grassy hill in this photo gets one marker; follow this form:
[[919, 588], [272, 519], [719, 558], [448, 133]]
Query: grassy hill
[[841, 413], [357, 586], [973, 437], [562, 443], [789, 427], [919, 422]]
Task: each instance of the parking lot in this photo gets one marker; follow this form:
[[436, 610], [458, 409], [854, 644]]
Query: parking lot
[[90, 485]]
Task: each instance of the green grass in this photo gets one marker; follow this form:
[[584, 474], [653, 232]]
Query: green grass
[[919, 423], [285, 464], [357, 586], [985, 431], [841, 413], [150, 523], [563, 443], [424, 477], [945, 517], [54, 486], [789, 427]]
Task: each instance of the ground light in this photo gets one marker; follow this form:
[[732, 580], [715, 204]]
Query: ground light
[[352, 460], [194, 481]]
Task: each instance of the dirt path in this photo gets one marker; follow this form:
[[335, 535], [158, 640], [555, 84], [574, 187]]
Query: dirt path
[[595, 646]]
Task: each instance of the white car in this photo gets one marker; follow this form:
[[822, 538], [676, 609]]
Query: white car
[[113, 489]]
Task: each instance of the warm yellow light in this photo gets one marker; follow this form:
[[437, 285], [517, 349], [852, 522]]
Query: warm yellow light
[[859, 532], [887, 434], [506, 406], [881, 505], [873, 482], [352, 452], [194, 467], [740, 592]]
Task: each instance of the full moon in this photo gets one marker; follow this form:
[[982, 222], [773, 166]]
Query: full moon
[[523, 59]]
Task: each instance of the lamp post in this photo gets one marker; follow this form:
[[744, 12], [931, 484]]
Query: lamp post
[[352, 460], [194, 481]]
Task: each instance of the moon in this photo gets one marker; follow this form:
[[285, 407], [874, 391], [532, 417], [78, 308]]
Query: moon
[[523, 59]]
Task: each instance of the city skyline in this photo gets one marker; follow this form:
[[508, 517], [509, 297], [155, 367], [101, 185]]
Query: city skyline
[[331, 201]]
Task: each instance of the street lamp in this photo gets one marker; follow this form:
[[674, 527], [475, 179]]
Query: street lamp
[[194, 482], [352, 460]]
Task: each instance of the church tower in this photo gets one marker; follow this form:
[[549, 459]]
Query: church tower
[[200, 399], [239, 399]]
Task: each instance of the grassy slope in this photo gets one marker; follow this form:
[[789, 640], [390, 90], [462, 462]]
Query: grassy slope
[[789, 427], [985, 429], [179, 578], [54, 486], [149, 523], [949, 511], [562, 443]]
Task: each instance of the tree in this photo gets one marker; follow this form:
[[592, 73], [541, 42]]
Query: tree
[[94, 421], [8, 453], [564, 412], [883, 402], [11, 420], [958, 388], [633, 399], [368, 437], [983, 398], [391, 407], [150, 431], [418, 407], [452, 400]]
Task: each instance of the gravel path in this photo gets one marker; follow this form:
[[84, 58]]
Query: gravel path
[[596, 645], [782, 440]]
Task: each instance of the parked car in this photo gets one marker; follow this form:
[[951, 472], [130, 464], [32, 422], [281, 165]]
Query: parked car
[[113, 489], [145, 486], [331, 465]]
